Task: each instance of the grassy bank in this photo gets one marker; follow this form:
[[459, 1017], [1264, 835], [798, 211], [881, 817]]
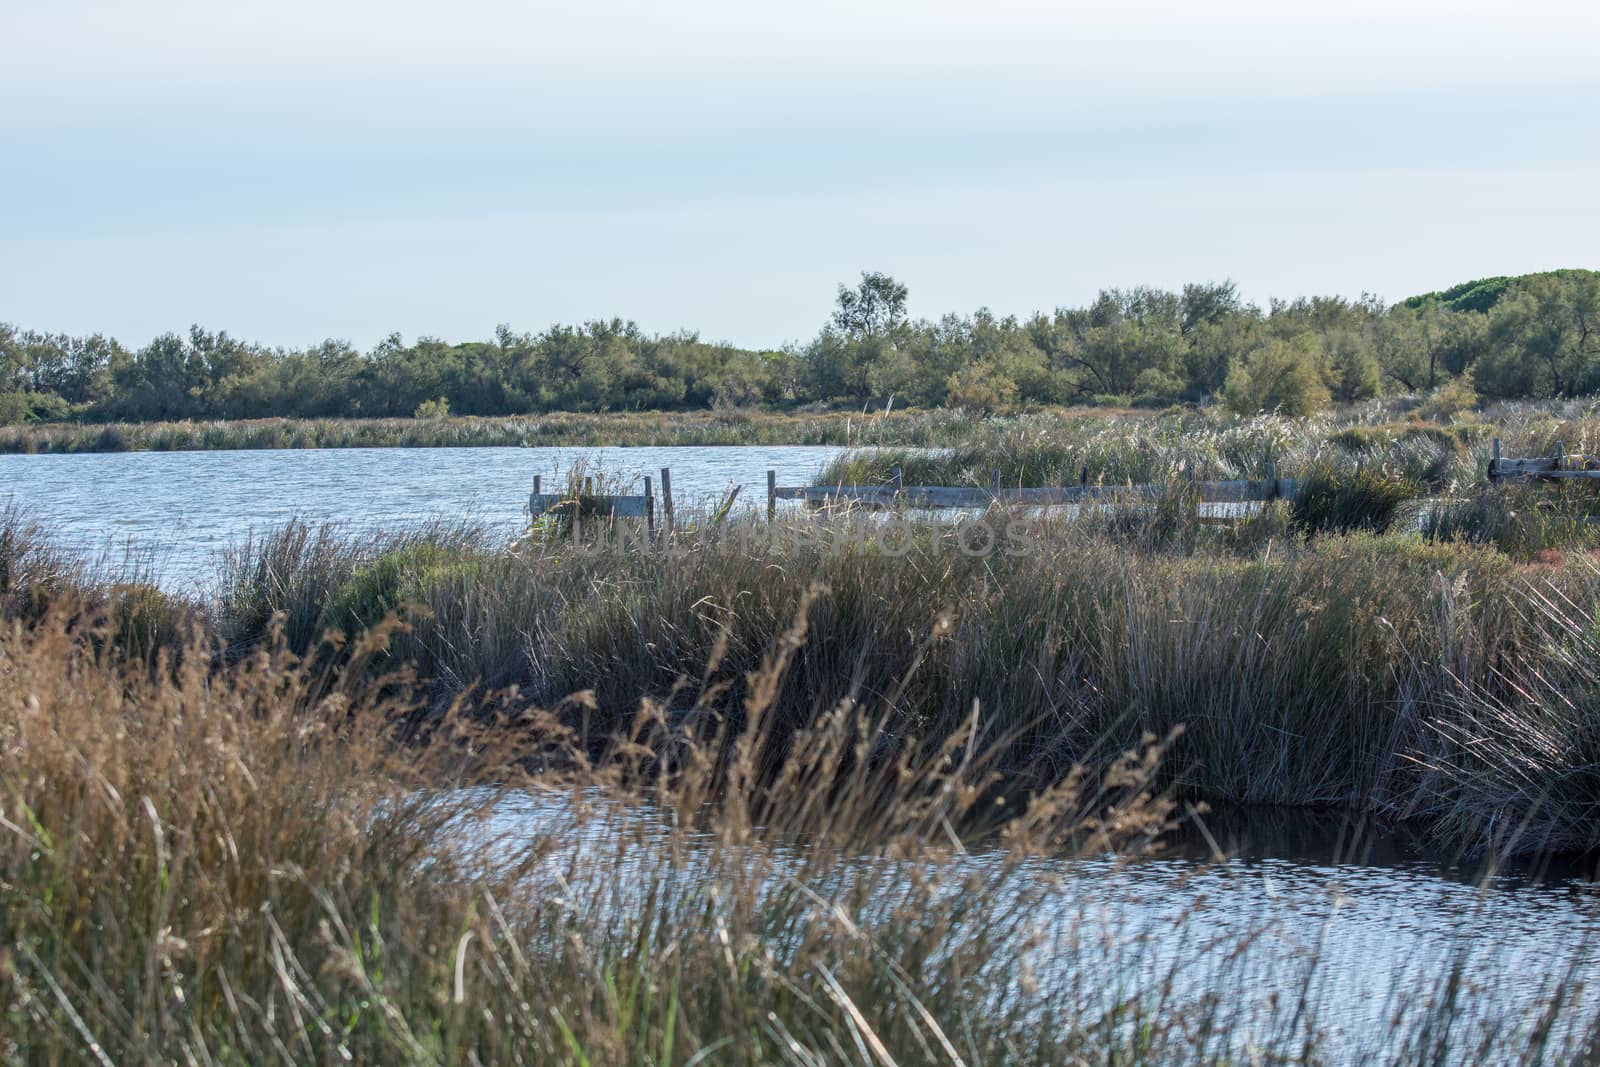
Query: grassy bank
[[736, 427], [1439, 455], [1042, 447], [259, 858], [1336, 670]]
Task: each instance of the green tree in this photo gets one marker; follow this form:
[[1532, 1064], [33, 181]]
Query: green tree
[[1282, 376]]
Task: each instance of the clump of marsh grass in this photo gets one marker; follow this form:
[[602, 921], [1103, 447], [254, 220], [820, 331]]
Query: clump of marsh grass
[[1300, 672], [1523, 760], [32, 570], [1522, 521], [304, 579], [260, 861], [1341, 498]]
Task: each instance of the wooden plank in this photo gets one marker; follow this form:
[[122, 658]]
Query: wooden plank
[[1543, 475], [622, 507], [1524, 466], [666, 496]]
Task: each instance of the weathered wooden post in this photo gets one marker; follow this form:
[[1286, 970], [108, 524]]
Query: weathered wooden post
[[1083, 479], [536, 481], [588, 486], [1272, 479], [1561, 456], [997, 483], [649, 508], [1494, 463], [666, 497], [772, 495]]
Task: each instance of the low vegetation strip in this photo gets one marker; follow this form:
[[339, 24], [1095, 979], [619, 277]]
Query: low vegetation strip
[[737, 427]]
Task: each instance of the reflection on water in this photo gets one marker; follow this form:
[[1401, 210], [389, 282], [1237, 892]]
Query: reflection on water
[[1361, 924], [1248, 835]]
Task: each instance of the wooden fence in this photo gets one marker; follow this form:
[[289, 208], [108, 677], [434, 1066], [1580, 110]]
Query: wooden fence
[[584, 502], [1541, 468], [897, 494]]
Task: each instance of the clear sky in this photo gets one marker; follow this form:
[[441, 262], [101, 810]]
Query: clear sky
[[293, 170]]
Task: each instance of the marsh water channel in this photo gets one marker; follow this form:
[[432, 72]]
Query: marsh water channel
[[1379, 912]]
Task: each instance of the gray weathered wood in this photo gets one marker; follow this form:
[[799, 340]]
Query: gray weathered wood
[[622, 507], [772, 495], [649, 507], [1527, 466], [1538, 468], [666, 497], [1544, 475]]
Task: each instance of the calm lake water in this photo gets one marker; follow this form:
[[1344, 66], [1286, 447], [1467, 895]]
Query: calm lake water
[[1383, 912], [1262, 906], [176, 510]]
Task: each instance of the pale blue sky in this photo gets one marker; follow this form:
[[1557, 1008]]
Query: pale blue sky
[[294, 170]]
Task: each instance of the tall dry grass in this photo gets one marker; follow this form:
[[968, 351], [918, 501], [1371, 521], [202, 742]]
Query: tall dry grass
[[261, 862], [1321, 673]]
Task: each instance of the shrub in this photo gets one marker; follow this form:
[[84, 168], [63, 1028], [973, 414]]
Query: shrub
[[1450, 399], [1280, 376], [981, 387]]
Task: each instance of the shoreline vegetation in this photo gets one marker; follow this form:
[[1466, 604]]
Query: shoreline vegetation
[[425, 797], [741, 427], [764, 793], [1317, 653], [266, 861]]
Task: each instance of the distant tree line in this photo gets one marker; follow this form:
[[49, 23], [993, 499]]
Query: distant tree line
[[1532, 336]]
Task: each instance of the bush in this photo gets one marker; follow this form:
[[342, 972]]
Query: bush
[[432, 409], [1281, 376], [981, 387], [1450, 399]]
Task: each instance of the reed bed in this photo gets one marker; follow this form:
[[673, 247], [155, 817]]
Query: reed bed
[[1042, 447], [560, 429], [262, 860], [1334, 671]]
